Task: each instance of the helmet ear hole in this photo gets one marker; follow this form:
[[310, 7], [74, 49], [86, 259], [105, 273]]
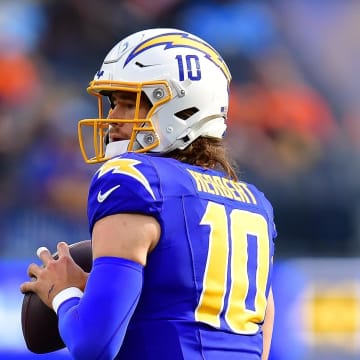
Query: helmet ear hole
[[185, 114]]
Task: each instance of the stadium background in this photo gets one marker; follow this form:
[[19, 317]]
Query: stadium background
[[294, 130]]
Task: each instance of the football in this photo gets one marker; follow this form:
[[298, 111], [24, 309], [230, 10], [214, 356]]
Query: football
[[39, 322]]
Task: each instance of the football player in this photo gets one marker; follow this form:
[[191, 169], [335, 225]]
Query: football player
[[182, 250]]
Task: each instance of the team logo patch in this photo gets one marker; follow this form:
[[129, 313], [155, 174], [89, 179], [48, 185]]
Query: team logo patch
[[126, 167]]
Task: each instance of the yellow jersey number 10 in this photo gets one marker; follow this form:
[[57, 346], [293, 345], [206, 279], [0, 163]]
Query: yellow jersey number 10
[[215, 283]]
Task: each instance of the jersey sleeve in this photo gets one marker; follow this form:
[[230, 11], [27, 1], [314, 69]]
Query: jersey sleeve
[[125, 184]]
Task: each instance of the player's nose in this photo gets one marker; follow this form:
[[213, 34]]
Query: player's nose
[[117, 112]]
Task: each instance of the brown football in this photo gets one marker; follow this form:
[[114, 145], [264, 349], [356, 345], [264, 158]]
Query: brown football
[[39, 323]]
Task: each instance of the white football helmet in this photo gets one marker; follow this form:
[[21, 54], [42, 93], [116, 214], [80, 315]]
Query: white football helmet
[[184, 78]]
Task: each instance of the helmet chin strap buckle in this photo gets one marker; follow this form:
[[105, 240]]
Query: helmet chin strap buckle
[[146, 138]]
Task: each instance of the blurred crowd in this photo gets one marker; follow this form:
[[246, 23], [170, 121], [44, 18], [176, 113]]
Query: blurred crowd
[[294, 121]]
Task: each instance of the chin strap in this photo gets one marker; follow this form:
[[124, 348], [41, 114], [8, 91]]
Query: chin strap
[[116, 148]]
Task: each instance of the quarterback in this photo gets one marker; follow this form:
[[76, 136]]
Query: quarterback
[[182, 249]]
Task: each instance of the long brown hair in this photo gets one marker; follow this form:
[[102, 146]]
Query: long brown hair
[[207, 152]]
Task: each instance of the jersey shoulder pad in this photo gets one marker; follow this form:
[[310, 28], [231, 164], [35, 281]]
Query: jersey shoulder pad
[[127, 183]]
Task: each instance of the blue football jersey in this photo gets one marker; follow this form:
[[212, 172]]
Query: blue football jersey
[[206, 283]]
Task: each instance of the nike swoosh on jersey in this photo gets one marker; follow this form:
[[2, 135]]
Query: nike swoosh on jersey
[[102, 197]]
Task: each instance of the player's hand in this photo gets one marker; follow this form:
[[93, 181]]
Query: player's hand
[[55, 275]]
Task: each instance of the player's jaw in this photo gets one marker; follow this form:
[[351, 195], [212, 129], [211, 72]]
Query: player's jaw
[[119, 132]]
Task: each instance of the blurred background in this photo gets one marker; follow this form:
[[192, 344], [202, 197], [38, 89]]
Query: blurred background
[[294, 130]]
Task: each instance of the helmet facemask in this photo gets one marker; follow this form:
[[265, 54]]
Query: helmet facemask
[[143, 138]]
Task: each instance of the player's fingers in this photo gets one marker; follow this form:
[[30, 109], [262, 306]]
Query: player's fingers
[[33, 270], [63, 249], [27, 286], [44, 254]]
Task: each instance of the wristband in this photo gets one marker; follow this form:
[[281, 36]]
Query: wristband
[[66, 294]]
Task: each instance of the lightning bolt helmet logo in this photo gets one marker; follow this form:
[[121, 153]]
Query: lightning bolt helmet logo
[[181, 39]]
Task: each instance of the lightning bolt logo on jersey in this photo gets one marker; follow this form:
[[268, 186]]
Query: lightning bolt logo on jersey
[[211, 269], [126, 167]]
